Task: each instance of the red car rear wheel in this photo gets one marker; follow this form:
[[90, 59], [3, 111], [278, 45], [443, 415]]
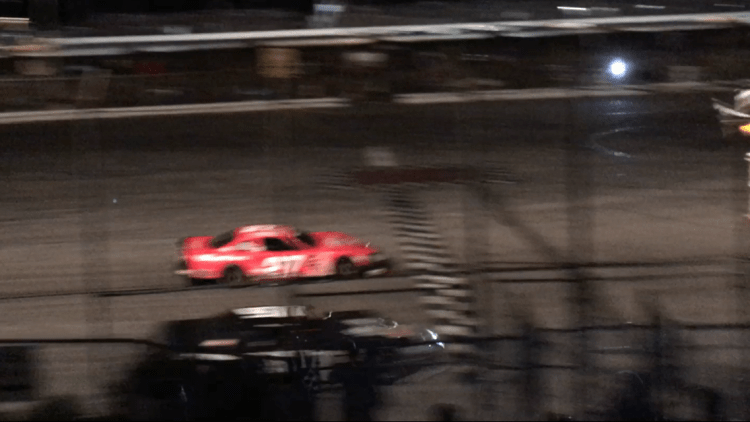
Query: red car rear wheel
[[233, 276]]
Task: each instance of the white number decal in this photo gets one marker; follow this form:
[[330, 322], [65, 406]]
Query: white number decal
[[283, 266]]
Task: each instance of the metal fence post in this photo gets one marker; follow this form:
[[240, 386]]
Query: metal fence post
[[87, 149], [580, 241], [530, 364], [664, 369], [741, 203], [658, 373]]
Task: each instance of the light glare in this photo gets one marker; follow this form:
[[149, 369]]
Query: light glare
[[617, 68]]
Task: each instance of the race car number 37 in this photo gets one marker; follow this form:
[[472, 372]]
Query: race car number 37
[[283, 266]]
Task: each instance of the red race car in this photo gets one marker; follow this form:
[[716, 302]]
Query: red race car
[[264, 253]]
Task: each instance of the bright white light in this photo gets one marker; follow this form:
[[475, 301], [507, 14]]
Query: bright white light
[[617, 68]]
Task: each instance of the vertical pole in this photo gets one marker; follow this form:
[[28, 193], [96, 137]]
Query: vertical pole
[[742, 219], [657, 358], [485, 297], [460, 142], [288, 135], [269, 123], [579, 189], [91, 171], [530, 362], [476, 243], [580, 243]]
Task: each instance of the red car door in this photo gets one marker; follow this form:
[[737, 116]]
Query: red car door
[[252, 253], [281, 259]]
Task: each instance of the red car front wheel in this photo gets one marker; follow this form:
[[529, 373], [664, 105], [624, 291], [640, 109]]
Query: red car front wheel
[[345, 269]]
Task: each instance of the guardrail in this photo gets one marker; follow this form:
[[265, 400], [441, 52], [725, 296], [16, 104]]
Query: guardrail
[[14, 24], [122, 45]]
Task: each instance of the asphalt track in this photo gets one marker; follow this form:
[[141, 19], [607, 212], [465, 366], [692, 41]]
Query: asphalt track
[[98, 205]]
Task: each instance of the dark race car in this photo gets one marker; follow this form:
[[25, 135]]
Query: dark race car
[[235, 363]]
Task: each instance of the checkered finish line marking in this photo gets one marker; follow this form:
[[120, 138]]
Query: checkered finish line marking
[[448, 297]]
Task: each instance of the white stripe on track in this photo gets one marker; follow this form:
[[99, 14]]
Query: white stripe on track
[[326, 103], [155, 111]]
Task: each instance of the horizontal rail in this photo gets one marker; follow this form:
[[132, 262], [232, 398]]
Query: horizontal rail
[[362, 292], [136, 341], [474, 340], [444, 29], [24, 117], [128, 77], [117, 45], [157, 111], [542, 266], [14, 23], [613, 279]]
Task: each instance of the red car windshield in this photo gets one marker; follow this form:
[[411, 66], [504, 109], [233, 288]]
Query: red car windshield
[[222, 239], [305, 238], [343, 241], [330, 242], [301, 243]]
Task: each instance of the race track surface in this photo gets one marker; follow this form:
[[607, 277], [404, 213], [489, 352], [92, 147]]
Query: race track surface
[[98, 206]]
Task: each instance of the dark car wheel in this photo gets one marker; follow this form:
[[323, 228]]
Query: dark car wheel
[[345, 269], [233, 276]]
